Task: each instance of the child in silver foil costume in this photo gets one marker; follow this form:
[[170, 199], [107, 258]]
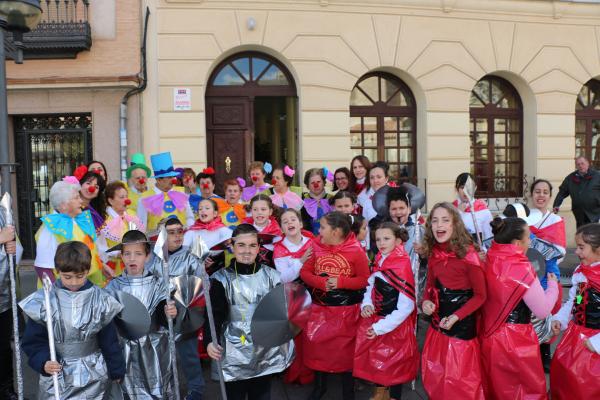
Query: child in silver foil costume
[[235, 292], [85, 335], [182, 262], [148, 374]]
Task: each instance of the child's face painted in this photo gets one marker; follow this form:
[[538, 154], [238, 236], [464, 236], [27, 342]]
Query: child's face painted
[[587, 255], [73, 281], [245, 248], [134, 257], [206, 211], [261, 212], [399, 211], [290, 224], [344, 205], [174, 236]]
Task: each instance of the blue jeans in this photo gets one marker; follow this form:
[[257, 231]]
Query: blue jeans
[[187, 351]]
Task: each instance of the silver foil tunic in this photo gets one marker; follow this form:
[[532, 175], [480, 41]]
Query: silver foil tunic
[[242, 358], [147, 359], [77, 319], [182, 262]]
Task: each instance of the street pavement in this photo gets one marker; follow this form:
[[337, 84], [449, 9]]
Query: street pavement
[[281, 391]]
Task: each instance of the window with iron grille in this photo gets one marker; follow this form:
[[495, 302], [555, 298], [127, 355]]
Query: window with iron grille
[[383, 123], [496, 116], [587, 123]]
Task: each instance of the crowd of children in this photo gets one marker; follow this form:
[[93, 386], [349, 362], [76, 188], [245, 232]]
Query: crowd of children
[[358, 261]]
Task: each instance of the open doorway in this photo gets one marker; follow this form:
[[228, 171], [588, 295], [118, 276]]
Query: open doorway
[[275, 130], [251, 114]]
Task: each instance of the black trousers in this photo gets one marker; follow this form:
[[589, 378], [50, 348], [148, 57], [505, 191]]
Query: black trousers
[[250, 389], [6, 353]]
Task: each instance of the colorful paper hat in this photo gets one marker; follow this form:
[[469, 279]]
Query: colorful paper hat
[[162, 164], [138, 160]]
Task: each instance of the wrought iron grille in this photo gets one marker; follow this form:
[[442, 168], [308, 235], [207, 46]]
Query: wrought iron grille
[[48, 147]]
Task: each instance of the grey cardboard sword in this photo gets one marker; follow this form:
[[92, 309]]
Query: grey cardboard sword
[[200, 250], [161, 249], [6, 203]]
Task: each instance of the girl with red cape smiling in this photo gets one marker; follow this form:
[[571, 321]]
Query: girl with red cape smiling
[[289, 255], [269, 232], [510, 349], [386, 346], [211, 229], [336, 275], [575, 368], [455, 289]]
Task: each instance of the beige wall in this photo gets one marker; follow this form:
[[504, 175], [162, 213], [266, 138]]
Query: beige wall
[[546, 49]]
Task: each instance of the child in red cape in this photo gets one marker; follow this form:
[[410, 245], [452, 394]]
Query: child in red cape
[[261, 208], [510, 349], [455, 289], [386, 346], [336, 275], [289, 255], [575, 368]]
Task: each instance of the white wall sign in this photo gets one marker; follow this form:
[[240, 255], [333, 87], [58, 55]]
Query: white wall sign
[[182, 99]]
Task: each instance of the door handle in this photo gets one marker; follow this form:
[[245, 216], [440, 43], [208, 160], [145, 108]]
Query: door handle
[[228, 164]]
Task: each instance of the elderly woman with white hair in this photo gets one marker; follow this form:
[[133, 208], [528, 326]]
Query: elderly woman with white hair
[[67, 222]]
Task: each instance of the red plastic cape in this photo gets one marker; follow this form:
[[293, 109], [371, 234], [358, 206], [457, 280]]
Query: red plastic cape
[[272, 227], [555, 233], [478, 205], [401, 276], [350, 245], [508, 276], [591, 273], [280, 250], [208, 226]]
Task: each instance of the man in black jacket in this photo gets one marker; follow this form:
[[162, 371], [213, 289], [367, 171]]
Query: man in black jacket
[[583, 185]]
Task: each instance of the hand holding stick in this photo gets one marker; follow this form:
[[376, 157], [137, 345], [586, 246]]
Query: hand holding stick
[[50, 327]]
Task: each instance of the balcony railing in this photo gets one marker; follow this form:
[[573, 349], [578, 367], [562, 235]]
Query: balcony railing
[[63, 31]]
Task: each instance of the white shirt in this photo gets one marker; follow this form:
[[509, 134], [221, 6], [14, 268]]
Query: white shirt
[[365, 201], [404, 306], [288, 266], [564, 315], [45, 249]]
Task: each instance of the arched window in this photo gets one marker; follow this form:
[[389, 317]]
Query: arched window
[[251, 73], [496, 117], [383, 123], [587, 123]]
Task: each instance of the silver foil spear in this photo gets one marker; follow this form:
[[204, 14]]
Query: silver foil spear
[[50, 328], [6, 202], [200, 250], [161, 249]]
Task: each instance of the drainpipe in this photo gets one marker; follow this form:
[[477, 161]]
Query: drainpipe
[[123, 107]]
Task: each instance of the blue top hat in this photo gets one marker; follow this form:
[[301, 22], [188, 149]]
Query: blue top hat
[[162, 164]]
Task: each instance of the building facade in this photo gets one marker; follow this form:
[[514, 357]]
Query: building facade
[[502, 88], [64, 101]]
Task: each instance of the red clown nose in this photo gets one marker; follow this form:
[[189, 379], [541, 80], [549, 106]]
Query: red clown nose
[[127, 202], [142, 181], [254, 178], [315, 185], [92, 189], [273, 181], [205, 186], [174, 181]]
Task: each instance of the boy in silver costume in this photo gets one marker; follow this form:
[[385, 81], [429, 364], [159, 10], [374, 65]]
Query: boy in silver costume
[[148, 361], [85, 334]]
